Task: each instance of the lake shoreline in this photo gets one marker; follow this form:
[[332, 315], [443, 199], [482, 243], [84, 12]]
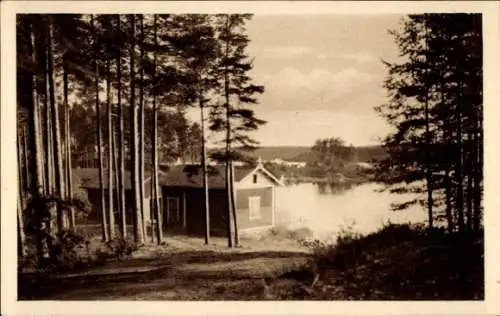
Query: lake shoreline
[[361, 208]]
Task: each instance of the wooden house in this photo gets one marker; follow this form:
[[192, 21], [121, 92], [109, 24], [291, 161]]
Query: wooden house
[[88, 179], [183, 198]]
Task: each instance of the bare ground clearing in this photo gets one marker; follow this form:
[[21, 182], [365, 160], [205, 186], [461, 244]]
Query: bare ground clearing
[[183, 269]]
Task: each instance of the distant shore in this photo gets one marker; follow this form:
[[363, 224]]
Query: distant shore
[[341, 181]]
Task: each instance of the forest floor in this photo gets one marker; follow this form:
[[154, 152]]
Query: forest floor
[[395, 263]]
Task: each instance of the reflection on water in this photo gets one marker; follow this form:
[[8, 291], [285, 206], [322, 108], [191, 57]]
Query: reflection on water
[[326, 212], [333, 188]]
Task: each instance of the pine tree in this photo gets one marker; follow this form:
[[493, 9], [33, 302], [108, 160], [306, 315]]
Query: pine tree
[[71, 57], [199, 51], [67, 153], [121, 139], [105, 231], [68, 48], [155, 181], [22, 250], [116, 177], [56, 129], [48, 170], [111, 218], [138, 230], [428, 93], [141, 126], [237, 90], [34, 119]]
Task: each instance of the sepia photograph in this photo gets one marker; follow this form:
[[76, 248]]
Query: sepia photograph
[[236, 156]]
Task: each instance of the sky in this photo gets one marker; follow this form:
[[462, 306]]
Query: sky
[[322, 76]]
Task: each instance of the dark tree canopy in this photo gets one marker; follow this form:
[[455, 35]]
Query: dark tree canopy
[[435, 107]]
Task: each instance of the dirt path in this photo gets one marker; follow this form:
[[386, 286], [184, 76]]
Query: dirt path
[[179, 275]]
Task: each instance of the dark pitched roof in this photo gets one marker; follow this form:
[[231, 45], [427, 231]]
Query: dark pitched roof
[[88, 178], [192, 176]]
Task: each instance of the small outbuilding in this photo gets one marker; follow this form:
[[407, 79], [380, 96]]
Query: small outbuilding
[[183, 198]]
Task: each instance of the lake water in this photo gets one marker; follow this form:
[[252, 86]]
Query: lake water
[[361, 209]]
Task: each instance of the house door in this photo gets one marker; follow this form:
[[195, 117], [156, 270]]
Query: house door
[[173, 216]]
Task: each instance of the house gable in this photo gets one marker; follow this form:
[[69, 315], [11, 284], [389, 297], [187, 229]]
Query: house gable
[[256, 178]]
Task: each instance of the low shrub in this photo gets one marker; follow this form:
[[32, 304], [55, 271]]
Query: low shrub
[[67, 251], [47, 247], [396, 262], [81, 203], [70, 252], [117, 248], [352, 249]]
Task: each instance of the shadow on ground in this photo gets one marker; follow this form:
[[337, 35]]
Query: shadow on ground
[[193, 275]]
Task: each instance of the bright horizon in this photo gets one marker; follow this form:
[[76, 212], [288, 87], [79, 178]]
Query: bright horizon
[[322, 76]]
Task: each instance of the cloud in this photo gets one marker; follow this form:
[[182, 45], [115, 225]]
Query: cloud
[[301, 106], [291, 52], [361, 57], [318, 89], [286, 51], [317, 80], [304, 127]]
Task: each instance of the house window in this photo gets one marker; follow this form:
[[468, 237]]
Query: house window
[[255, 178], [254, 207]]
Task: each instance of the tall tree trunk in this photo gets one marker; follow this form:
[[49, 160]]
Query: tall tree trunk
[[26, 159], [448, 209], [459, 166], [56, 131], [448, 141], [138, 235], [56, 128], [428, 168], [49, 153], [205, 176], [20, 199], [141, 129], [105, 235], [67, 153], [116, 196], [472, 175], [34, 119], [111, 210], [469, 171], [478, 171], [158, 217], [47, 128], [21, 237], [233, 206], [121, 144], [38, 53], [230, 218], [152, 202]]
